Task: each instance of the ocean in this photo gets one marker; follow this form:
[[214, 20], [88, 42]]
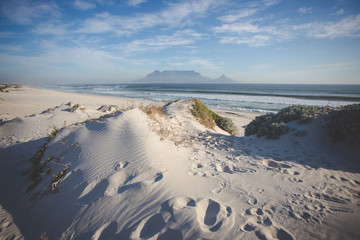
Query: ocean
[[243, 97]]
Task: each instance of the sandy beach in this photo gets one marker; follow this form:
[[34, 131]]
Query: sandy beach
[[76, 166]]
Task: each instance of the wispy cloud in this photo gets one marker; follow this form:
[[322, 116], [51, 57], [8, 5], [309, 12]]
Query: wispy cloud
[[245, 26], [174, 15], [242, 13], [84, 5], [253, 41], [338, 12], [136, 2], [270, 3], [253, 34], [25, 12], [179, 38], [248, 9], [12, 48], [7, 34], [51, 29], [347, 27], [241, 26], [305, 10]]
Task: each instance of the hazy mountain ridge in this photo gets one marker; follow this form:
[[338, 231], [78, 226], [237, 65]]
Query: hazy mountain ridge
[[183, 76]]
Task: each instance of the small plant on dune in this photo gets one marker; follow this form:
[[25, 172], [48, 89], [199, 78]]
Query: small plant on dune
[[36, 167], [53, 133], [152, 111], [204, 115], [44, 236], [208, 118], [74, 107], [56, 178], [4, 87], [112, 108], [171, 102], [115, 107]]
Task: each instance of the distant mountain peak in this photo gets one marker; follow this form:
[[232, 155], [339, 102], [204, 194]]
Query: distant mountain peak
[[181, 76], [224, 79]]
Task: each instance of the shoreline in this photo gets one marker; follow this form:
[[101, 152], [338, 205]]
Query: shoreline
[[249, 98], [38, 100]]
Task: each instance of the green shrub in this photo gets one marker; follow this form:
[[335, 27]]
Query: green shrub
[[227, 125], [344, 125], [74, 108], [208, 118], [204, 115], [302, 113], [266, 125], [258, 125], [272, 126]]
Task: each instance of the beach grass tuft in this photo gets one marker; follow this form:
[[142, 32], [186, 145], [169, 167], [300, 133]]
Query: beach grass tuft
[[74, 107], [4, 87], [171, 102], [56, 178], [37, 168], [152, 111], [208, 118]]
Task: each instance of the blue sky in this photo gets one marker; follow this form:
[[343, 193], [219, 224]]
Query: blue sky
[[108, 41]]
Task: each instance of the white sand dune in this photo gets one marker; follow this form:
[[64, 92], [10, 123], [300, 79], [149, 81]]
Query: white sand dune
[[130, 176]]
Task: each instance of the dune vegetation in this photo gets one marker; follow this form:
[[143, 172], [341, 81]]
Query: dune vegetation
[[209, 119], [341, 123]]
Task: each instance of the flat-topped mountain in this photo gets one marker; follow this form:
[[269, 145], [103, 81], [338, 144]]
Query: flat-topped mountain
[[184, 76]]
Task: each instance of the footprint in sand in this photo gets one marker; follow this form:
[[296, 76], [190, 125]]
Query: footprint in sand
[[141, 187], [149, 227], [295, 180], [254, 211], [106, 231], [252, 201], [170, 234], [120, 165], [211, 215], [94, 191], [159, 176], [273, 164], [289, 171], [263, 227], [219, 188]]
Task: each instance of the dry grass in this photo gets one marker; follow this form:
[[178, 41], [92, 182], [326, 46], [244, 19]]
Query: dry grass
[[37, 168], [4, 87], [160, 125], [153, 111]]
